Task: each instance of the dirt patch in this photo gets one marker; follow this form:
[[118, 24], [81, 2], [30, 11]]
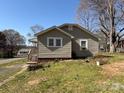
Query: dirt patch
[[116, 68], [101, 82], [36, 81]]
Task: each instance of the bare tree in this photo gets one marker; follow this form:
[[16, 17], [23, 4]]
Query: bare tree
[[2, 40], [13, 39], [35, 29], [111, 18], [85, 17], [2, 45]]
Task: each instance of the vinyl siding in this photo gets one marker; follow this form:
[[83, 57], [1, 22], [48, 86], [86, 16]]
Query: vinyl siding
[[93, 45], [54, 52]]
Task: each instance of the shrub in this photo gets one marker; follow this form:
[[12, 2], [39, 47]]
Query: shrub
[[1, 54]]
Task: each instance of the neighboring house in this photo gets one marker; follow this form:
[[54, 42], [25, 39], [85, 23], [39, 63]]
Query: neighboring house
[[66, 41], [23, 52], [33, 41], [121, 45], [103, 42]]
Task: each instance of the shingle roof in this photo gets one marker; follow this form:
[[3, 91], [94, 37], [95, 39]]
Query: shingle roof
[[83, 29], [59, 28], [51, 28]]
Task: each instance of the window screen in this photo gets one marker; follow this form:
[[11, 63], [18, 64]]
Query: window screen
[[51, 42]]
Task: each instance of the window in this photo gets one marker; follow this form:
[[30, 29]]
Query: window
[[51, 42], [54, 42], [83, 44], [58, 42]]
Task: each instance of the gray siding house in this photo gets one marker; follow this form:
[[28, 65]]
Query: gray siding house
[[66, 41]]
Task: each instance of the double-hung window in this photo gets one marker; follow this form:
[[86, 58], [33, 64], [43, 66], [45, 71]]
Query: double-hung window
[[54, 42], [84, 44]]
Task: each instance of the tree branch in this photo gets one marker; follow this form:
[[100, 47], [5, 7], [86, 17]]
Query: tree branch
[[120, 31], [102, 24], [105, 33]]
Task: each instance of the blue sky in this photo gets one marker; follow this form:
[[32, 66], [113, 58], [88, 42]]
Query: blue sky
[[22, 14]]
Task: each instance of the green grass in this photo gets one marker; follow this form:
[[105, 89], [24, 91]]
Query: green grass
[[20, 61], [67, 77], [117, 57], [9, 69], [113, 57]]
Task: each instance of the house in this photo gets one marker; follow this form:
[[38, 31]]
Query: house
[[33, 41], [120, 47], [103, 41], [66, 41], [23, 52]]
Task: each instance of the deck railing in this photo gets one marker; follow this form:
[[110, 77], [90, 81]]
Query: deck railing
[[32, 55]]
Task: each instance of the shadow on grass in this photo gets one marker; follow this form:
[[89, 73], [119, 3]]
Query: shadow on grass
[[103, 56], [103, 59], [41, 66]]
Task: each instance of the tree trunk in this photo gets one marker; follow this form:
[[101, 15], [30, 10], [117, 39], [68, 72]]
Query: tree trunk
[[112, 48], [112, 41], [112, 24]]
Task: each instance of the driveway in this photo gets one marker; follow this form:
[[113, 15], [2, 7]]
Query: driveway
[[3, 61], [8, 71]]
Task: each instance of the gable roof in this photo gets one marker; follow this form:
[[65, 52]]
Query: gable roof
[[82, 28], [51, 28], [64, 32]]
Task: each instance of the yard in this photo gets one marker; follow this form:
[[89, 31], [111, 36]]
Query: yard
[[71, 76], [10, 67]]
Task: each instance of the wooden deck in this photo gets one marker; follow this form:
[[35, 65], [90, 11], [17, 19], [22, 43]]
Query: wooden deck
[[32, 65]]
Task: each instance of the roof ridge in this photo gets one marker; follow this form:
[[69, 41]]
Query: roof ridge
[[54, 27], [84, 29], [65, 32]]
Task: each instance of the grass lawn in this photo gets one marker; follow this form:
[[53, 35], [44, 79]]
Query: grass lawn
[[68, 77], [114, 57], [9, 69]]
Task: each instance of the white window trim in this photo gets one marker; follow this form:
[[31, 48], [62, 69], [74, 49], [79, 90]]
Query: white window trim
[[86, 42], [54, 41]]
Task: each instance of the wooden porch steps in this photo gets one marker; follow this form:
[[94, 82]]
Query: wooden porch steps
[[32, 65]]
